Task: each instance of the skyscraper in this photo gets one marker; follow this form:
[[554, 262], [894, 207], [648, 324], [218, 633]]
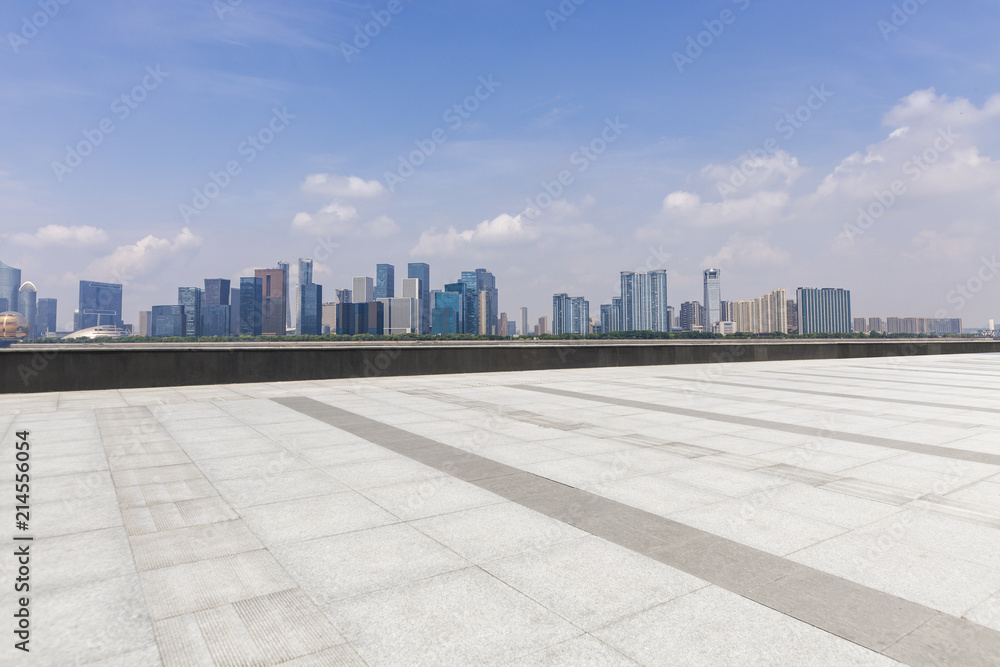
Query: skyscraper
[[285, 285], [273, 309], [305, 278], [27, 305], [763, 315], [502, 327], [570, 315], [145, 322], [10, 283], [100, 304], [191, 299], [167, 321], [251, 306], [644, 301], [216, 310], [310, 309], [471, 282], [217, 292], [524, 321], [364, 290], [824, 310], [413, 288], [234, 311], [385, 281], [460, 290], [792, 311], [47, 320], [691, 316], [713, 298], [423, 273]]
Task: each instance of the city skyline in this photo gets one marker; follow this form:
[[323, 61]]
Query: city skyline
[[810, 179]]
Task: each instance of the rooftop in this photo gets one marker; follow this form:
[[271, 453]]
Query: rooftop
[[808, 512]]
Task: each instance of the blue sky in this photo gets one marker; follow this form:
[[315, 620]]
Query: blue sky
[[649, 198]]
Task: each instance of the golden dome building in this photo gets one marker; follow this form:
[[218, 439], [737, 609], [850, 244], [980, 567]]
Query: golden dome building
[[14, 326]]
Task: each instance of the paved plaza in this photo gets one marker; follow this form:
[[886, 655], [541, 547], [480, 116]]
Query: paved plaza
[[776, 513]]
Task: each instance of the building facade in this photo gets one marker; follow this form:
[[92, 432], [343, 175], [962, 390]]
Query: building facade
[[251, 306], [274, 309], [47, 319], [644, 301], [10, 284], [713, 298], [385, 281], [100, 303], [167, 322], [191, 299], [824, 310], [422, 272]]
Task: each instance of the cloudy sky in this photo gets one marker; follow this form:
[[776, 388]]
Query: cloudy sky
[[556, 144]]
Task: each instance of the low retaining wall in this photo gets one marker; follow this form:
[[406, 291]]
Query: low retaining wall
[[42, 368]]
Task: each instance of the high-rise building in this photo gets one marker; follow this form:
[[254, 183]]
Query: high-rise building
[[306, 278], [361, 318], [543, 325], [285, 286], [792, 314], [691, 317], [449, 305], [273, 308], [824, 310], [10, 283], [511, 329], [385, 281], [100, 304], [191, 299], [876, 324], [502, 328], [644, 301], [860, 325], [570, 315], [524, 321], [364, 290], [471, 282], [460, 290], [422, 272], [217, 292], [671, 318], [27, 305], [167, 321], [763, 315], [251, 306], [330, 317], [216, 310], [310, 309], [145, 323], [713, 298], [234, 311], [342, 296], [402, 314], [413, 288], [47, 320]]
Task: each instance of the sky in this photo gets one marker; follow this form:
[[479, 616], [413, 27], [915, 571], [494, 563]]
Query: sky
[[554, 143]]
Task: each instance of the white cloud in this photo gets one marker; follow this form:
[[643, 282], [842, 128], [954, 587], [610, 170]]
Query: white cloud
[[348, 187], [145, 257], [502, 230], [747, 252], [51, 235], [336, 219]]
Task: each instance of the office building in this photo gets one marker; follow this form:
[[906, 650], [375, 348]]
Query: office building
[[100, 304], [413, 288], [342, 296], [217, 292], [251, 306], [824, 310], [234, 311], [671, 318], [47, 321], [448, 309], [402, 314], [216, 321], [167, 322], [524, 321], [364, 290], [476, 320], [543, 326], [273, 308], [145, 323], [713, 298], [330, 317], [10, 283], [422, 272], [764, 315], [354, 319], [310, 309], [724, 328], [644, 301], [502, 325], [385, 281], [691, 316], [285, 300], [27, 305], [191, 299]]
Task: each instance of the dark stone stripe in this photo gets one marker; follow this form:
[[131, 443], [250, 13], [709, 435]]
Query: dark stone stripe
[[881, 622]]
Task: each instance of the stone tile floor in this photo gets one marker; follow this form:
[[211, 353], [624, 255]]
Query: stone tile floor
[[834, 512]]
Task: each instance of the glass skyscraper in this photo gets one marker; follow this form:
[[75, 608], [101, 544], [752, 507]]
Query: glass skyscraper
[[10, 283], [449, 306], [423, 272], [27, 305], [713, 298], [385, 281], [310, 309], [274, 308], [824, 310], [100, 304], [167, 321], [251, 303], [47, 320]]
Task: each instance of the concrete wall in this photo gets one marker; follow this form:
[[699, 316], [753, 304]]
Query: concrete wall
[[42, 368]]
